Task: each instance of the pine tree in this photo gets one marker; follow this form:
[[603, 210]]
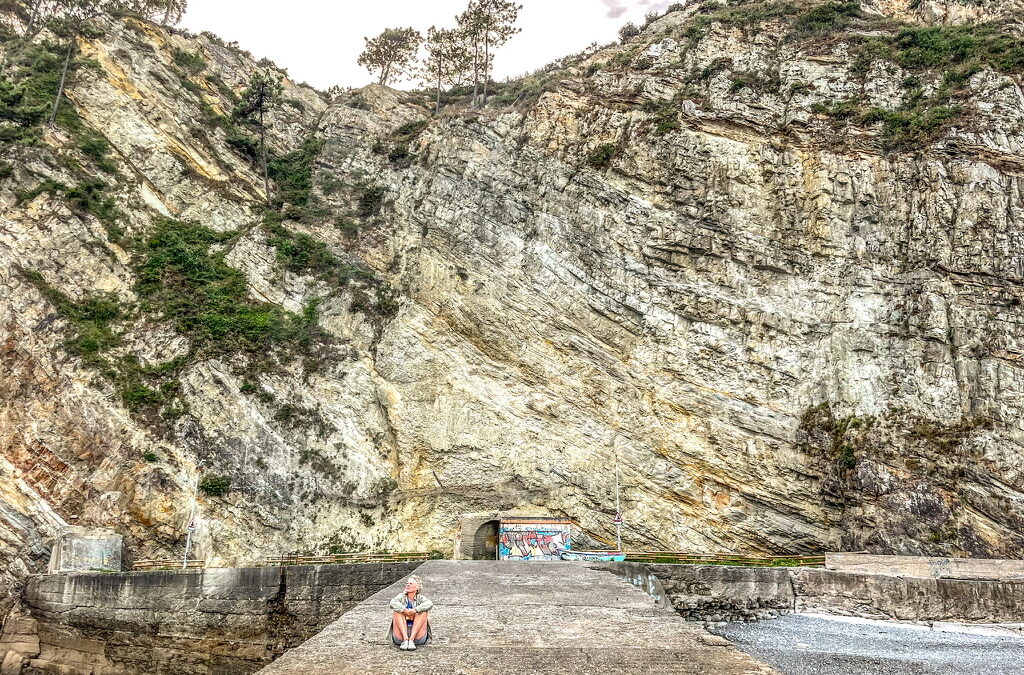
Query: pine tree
[[490, 24], [393, 53], [33, 13], [258, 100], [167, 12], [173, 11], [72, 17], [448, 59]]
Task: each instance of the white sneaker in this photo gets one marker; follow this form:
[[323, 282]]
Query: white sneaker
[[412, 646], [404, 646]]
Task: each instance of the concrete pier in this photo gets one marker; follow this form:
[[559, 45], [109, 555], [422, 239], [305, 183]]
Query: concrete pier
[[492, 617]]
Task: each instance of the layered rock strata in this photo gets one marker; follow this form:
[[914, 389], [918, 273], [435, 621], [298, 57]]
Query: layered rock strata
[[790, 330]]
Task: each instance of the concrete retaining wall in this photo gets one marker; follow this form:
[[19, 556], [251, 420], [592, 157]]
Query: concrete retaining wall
[[223, 621], [921, 566], [879, 596], [716, 593]]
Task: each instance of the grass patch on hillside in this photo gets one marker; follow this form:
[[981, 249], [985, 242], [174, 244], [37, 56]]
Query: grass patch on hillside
[[91, 319], [182, 280], [830, 17], [28, 85], [525, 90], [293, 174], [985, 45]]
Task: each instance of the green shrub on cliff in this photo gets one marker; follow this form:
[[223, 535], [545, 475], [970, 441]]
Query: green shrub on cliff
[[215, 486], [666, 115], [293, 173], [371, 200], [190, 62], [91, 318], [601, 157], [181, 279], [826, 18]]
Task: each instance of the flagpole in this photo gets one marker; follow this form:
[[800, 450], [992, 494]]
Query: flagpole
[[618, 512]]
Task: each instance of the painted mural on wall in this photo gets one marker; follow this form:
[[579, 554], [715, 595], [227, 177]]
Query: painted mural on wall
[[533, 538]]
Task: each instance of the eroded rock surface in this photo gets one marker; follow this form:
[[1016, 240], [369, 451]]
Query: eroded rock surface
[[789, 339]]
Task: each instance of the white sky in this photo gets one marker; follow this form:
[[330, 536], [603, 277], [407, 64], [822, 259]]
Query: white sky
[[319, 41]]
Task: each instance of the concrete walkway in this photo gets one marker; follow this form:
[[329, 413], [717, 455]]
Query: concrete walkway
[[514, 617]]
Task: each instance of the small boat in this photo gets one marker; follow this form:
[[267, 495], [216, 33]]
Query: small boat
[[591, 556]]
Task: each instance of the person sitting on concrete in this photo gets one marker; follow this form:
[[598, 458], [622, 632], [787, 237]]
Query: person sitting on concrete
[[410, 627]]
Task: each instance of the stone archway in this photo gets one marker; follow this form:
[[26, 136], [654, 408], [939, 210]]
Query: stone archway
[[485, 541]]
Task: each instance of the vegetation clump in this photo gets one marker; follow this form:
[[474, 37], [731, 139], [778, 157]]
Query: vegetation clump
[[301, 253], [840, 432], [180, 279], [602, 156], [91, 319], [89, 197], [827, 18], [293, 174], [665, 115], [755, 81], [397, 147], [215, 486], [371, 200], [28, 87], [189, 62], [947, 55]]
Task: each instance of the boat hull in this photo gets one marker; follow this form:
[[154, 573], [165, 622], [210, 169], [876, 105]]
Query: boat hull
[[593, 556]]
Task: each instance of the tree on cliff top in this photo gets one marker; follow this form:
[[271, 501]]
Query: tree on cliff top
[[393, 53], [489, 24], [257, 101], [448, 59], [36, 13], [168, 12]]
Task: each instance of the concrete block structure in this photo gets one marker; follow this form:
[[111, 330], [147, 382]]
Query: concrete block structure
[[84, 549]]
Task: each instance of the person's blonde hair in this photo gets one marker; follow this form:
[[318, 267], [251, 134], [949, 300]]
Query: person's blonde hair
[[419, 583]]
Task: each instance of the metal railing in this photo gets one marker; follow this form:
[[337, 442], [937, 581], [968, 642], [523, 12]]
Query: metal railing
[[168, 564], [686, 558], [347, 558]]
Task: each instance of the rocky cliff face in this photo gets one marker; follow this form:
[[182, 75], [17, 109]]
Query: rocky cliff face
[[770, 262], [944, 12]]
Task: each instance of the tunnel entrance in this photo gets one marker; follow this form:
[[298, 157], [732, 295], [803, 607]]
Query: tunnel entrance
[[485, 541]]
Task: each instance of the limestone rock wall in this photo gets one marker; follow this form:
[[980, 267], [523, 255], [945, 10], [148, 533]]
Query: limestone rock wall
[[786, 338], [947, 11]]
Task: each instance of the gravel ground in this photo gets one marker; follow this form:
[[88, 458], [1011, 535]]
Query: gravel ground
[[821, 645]]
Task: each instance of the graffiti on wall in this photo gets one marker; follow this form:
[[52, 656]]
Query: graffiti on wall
[[522, 539]]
